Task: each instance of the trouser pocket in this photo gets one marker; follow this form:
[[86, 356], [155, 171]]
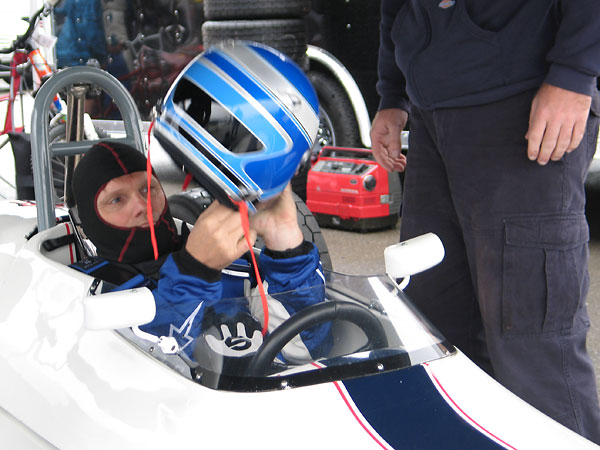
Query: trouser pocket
[[545, 278]]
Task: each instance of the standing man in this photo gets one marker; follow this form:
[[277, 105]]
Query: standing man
[[504, 106]]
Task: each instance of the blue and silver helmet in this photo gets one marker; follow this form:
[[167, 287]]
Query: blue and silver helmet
[[240, 118]]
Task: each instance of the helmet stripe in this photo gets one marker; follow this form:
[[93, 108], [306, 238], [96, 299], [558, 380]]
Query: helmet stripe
[[246, 109], [257, 90], [285, 80]]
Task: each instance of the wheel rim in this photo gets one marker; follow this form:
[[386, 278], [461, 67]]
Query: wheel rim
[[325, 134]]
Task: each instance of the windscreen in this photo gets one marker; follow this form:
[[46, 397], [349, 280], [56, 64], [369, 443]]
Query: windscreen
[[361, 325]]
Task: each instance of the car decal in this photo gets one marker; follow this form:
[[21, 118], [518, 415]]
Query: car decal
[[359, 417], [407, 411], [460, 411]]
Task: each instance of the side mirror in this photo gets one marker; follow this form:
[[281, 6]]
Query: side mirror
[[120, 309], [413, 256]]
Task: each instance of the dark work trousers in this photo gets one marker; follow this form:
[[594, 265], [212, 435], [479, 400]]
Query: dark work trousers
[[510, 292]]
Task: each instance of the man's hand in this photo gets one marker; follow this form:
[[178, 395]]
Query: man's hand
[[218, 237], [386, 140], [276, 221], [556, 123]]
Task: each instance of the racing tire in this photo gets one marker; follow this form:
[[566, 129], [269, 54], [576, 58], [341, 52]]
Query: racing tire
[[255, 9], [286, 35], [312, 231], [337, 123], [187, 206]]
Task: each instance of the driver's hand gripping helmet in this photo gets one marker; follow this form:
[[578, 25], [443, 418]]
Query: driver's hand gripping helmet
[[240, 118]]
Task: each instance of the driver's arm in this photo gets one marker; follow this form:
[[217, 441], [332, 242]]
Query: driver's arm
[[190, 279], [293, 274], [294, 280]]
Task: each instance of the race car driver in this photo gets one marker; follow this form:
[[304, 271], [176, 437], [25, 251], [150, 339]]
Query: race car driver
[[191, 291]]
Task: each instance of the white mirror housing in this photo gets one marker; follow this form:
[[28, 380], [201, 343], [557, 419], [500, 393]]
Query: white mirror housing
[[121, 309], [413, 255]]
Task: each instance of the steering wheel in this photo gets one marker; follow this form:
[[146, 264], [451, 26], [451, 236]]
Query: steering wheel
[[311, 316]]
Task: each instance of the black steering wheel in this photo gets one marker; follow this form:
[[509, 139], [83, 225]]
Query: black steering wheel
[[311, 316]]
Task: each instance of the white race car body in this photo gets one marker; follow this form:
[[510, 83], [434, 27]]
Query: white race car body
[[70, 387]]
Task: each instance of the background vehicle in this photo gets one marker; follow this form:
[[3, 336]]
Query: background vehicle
[[23, 68]]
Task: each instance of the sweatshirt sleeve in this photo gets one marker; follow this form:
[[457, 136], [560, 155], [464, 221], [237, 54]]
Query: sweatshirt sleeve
[[575, 57], [294, 283], [391, 84]]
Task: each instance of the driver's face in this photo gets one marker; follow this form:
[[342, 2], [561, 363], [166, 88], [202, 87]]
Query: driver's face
[[122, 202]]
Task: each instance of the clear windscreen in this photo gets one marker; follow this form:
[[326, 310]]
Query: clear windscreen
[[360, 325]]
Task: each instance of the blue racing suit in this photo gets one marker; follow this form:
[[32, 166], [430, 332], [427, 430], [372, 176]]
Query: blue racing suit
[[187, 293], [182, 299]]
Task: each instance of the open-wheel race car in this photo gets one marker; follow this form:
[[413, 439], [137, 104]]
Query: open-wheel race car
[[77, 372]]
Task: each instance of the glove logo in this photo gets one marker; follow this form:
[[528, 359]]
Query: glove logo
[[238, 343], [245, 342]]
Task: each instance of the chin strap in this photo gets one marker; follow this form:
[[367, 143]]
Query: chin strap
[[149, 197], [243, 208], [186, 181]]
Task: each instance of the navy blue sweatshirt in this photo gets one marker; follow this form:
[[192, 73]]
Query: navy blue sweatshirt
[[444, 53]]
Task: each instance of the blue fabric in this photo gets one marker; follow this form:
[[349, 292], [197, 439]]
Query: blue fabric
[[82, 34], [475, 52], [136, 281], [177, 297], [306, 287], [511, 290], [88, 266], [181, 300]]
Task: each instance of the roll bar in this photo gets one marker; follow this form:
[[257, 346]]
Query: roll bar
[[43, 151]]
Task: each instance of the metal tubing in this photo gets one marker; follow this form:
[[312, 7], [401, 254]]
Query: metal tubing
[[43, 151]]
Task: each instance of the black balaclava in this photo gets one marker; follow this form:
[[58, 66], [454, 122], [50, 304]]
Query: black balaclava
[[103, 162]]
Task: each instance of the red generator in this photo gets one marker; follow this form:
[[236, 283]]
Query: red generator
[[346, 188]]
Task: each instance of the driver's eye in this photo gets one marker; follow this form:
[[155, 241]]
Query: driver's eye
[[154, 190], [115, 201]]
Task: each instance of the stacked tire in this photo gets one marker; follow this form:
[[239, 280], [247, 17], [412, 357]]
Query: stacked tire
[[277, 23]]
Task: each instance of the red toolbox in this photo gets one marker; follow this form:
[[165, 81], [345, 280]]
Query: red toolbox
[[346, 188]]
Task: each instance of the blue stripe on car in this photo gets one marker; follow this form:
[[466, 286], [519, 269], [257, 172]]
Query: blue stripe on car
[[406, 409]]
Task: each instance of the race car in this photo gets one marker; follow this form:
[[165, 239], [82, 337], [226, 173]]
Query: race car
[[79, 374]]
